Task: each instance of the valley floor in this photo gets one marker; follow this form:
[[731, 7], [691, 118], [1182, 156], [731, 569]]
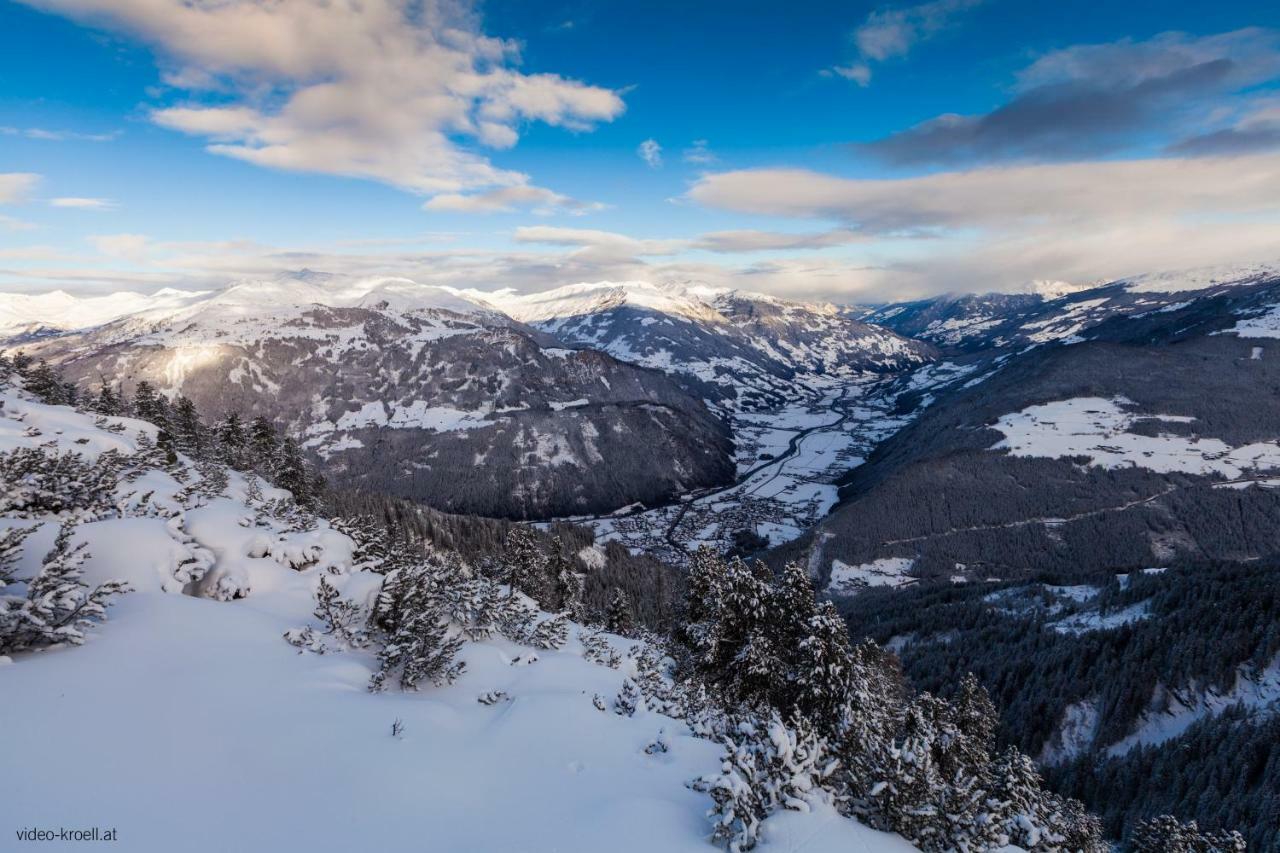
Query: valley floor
[[789, 461]]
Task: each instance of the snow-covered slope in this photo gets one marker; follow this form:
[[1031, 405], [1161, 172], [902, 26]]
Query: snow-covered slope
[[743, 350], [421, 391], [187, 722]]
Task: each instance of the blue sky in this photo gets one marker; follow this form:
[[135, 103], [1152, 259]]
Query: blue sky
[[853, 151]]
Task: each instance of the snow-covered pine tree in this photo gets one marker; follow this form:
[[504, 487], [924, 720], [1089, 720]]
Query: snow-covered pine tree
[[628, 699], [167, 447], [870, 718], [821, 672], [703, 594], [567, 584], [618, 618], [10, 550], [744, 661], [1023, 813], [39, 480], [524, 565], [597, 649]]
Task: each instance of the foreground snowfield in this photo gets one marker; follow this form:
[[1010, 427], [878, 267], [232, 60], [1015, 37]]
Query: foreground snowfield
[[188, 723]]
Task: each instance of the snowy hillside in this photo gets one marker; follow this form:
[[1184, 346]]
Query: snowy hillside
[[189, 707]]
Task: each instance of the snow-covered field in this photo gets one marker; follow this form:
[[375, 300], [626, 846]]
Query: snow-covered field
[[1097, 428], [188, 723], [889, 571]]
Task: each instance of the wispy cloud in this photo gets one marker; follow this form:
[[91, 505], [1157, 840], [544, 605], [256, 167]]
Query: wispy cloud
[[1257, 129], [58, 135], [83, 203], [892, 33], [699, 153], [538, 200], [650, 152]]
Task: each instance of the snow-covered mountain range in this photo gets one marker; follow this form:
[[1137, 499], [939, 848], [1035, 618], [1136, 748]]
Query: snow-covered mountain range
[[1048, 312], [419, 391], [743, 350], [486, 403]]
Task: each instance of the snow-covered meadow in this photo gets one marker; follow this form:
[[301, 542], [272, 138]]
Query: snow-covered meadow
[[1098, 428]]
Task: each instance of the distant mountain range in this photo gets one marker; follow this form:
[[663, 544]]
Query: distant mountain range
[[745, 351]]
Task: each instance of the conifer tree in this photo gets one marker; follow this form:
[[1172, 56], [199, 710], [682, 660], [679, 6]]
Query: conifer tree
[[232, 441], [568, 584], [150, 406], [263, 444], [46, 384], [1167, 835], [524, 565], [108, 402], [618, 617], [167, 447], [291, 473], [188, 430]]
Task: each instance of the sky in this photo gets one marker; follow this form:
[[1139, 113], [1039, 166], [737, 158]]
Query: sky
[[852, 152]]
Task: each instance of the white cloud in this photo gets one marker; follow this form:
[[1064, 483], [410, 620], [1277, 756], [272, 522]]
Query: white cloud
[[998, 228], [892, 33], [1006, 196], [650, 152], [376, 89], [83, 203], [598, 245]]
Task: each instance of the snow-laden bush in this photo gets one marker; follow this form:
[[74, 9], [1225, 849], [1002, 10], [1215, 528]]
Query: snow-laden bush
[[411, 621], [39, 480], [1164, 834], [58, 606], [768, 765]]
